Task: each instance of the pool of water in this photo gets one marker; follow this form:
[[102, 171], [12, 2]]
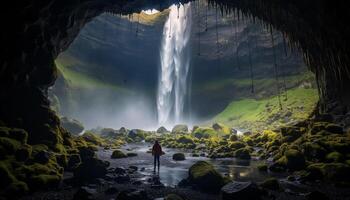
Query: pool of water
[[172, 172]]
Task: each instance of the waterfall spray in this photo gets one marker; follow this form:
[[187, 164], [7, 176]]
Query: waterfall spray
[[174, 62]]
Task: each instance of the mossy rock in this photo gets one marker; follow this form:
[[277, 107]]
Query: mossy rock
[[262, 167], [6, 176], [74, 161], [338, 172], [221, 128], [335, 157], [184, 140], [86, 153], [271, 184], [293, 159], [203, 132], [180, 129], [72, 125], [179, 156], [313, 151], [44, 181], [117, 154], [204, 176], [173, 197], [23, 153], [242, 153], [93, 138], [10, 146], [162, 130], [334, 128], [236, 145], [91, 169], [17, 189], [233, 137], [19, 135]]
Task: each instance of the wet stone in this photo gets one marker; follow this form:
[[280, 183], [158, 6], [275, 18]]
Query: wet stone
[[240, 190], [122, 179], [120, 170]]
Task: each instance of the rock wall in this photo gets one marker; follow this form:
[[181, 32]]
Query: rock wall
[[35, 32]]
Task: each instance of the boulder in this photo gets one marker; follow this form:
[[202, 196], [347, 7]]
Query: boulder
[[72, 125], [73, 161], [271, 184], [179, 156], [117, 154], [162, 130], [242, 153], [203, 132], [120, 170], [241, 191], [204, 176], [132, 134], [180, 128], [86, 153], [91, 169], [294, 159]]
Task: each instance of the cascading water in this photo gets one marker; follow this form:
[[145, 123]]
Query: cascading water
[[174, 62]]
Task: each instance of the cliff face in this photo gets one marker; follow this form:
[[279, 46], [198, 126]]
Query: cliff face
[[42, 30], [123, 52]]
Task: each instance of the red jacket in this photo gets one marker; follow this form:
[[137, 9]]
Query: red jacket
[[157, 150]]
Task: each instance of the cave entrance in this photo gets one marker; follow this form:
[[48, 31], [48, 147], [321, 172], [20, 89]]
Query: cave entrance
[[241, 72]]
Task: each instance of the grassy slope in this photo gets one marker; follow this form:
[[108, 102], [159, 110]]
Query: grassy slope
[[258, 83], [81, 80], [265, 113]]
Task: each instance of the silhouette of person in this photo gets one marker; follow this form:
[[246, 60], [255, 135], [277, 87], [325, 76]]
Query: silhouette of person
[[156, 152]]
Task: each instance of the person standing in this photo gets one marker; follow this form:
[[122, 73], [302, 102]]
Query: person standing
[[156, 152]]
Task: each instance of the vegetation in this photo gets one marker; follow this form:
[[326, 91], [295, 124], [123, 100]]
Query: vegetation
[[265, 114]]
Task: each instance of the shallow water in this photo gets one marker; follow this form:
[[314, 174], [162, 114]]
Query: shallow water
[[172, 172]]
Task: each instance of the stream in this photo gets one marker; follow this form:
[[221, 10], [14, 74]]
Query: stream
[[172, 172]]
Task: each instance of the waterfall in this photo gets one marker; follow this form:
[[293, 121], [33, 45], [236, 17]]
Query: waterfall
[[174, 65]]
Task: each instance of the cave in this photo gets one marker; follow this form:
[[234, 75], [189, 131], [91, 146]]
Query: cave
[[36, 150]]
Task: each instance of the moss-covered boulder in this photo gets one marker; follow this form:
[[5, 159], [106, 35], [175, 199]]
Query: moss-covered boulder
[[178, 156], [221, 128], [236, 145], [72, 125], [93, 138], [338, 172], [162, 130], [204, 176], [23, 153], [117, 154], [313, 151], [180, 129], [271, 184], [242, 153], [335, 157], [74, 161], [293, 160], [91, 169], [262, 167], [9, 146], [204, 132]]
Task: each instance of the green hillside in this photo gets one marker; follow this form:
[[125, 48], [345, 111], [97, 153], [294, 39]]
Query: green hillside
[[266, 113]]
